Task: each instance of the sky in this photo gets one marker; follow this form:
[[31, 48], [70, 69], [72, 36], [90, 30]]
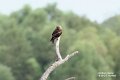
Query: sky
[[95, 10]]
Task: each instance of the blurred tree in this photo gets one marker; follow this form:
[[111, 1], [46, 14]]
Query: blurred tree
[[34, 69], [5, 73], [113, 23], [15, 49], [20, 16], [26, 50], [53, 13], [36, 19]]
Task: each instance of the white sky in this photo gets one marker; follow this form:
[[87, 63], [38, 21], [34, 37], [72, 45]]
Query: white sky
[[95, 10]]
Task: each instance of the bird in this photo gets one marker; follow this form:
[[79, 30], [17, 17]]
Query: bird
[[56, 33]]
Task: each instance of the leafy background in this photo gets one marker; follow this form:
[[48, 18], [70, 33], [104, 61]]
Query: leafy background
[[26, 50]]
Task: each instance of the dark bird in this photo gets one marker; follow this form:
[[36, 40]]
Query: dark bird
[[56, 33]]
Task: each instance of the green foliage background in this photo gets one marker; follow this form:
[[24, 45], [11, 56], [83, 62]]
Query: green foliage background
[[26, 50]]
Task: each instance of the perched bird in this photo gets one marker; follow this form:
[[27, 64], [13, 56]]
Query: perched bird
[[56, 33]]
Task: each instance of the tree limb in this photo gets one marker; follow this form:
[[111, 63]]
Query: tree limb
[[56, 42], [71, 78], [55, 65], [58, 62]]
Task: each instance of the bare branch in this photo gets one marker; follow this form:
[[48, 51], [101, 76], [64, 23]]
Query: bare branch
[[55, 65], [57, 41], [71, 78]]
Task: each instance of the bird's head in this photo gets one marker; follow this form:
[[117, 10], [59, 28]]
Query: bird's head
[[58, 27]]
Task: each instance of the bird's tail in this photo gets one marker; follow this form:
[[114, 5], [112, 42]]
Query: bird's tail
[[52, 39]]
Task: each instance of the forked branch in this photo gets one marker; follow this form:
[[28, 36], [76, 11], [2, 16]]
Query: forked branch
[[58, 62], [55, 65]]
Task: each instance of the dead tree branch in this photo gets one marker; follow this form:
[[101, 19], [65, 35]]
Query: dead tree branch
[[59, 60], [57, 42], [55, 65], [71, 78]]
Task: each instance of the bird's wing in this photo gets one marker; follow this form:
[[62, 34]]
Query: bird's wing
[[57, 33], [54, 32]]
